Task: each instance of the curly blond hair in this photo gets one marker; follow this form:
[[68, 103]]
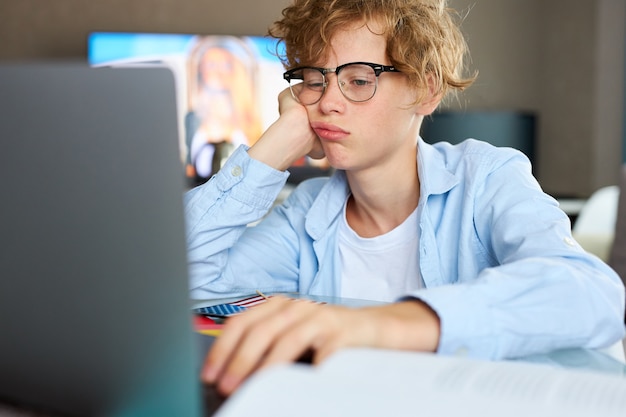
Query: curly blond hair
[[423, 37]]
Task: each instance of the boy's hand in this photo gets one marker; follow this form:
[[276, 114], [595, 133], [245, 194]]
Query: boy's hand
[[282, 330], [289, 138]]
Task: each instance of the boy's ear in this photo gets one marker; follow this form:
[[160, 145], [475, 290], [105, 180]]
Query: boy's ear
[[431, 98]]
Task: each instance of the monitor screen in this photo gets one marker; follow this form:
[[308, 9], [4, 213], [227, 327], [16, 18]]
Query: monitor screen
[[227, 89]]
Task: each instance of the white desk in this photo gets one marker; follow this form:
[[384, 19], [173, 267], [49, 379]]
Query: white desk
[[571, 206], [609, 360]]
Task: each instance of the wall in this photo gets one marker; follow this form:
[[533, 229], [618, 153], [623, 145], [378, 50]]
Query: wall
[[59, 28], [562, 60], [582, 94], [504, 51], [624, 115]]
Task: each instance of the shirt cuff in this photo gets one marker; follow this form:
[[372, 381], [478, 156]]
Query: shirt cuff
[[462, 334], [250, 181]]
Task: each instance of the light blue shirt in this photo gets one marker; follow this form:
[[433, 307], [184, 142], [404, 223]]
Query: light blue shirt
[[500, 266]]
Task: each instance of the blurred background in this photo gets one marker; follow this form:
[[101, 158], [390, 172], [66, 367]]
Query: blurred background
[[559, 62]]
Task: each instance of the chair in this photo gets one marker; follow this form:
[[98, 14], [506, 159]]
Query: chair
[[617, 258], [601, 229], [594, 227]]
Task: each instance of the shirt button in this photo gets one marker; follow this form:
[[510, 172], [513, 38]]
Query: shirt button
[[236, 171], [569, 241]]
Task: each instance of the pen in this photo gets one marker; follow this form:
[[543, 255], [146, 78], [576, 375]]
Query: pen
[[261, 294]]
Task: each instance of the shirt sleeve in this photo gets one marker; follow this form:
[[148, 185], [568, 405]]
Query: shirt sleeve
[[217, 214], [543, 291]]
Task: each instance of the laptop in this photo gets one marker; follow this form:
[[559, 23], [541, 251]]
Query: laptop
[[95, 318]]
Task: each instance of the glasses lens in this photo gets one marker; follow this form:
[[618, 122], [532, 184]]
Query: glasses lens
[[357, 82], [307, 85]]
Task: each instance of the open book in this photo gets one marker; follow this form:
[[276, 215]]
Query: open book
[[367, 382]]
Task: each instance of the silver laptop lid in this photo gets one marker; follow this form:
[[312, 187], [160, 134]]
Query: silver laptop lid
[[94, 314]]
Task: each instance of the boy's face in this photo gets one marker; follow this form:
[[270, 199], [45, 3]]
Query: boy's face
[[358, 136]]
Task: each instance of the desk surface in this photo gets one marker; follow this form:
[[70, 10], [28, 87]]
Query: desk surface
[[582, 359], [587, 359], [571, 206]]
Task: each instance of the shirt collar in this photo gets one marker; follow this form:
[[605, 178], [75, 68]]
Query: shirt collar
[[433, 172], [327, 205], [435, 178]]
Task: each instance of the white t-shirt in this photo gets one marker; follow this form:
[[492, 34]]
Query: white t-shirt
[[382, 268]]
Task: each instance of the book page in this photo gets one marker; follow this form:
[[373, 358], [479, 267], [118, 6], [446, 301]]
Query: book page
[[367, 382]]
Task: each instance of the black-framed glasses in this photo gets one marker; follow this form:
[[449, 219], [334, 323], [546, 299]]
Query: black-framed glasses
[[357, 81]]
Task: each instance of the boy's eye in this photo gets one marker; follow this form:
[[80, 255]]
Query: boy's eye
[[359, 83], [314, 85]]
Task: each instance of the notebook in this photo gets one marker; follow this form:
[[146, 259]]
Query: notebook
[[95, 318]]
